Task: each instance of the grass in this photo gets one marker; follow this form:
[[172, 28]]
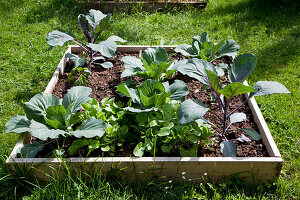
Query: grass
[[269, 29]]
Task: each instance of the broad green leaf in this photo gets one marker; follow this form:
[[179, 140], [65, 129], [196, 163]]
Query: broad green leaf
[[107, 65], [79, 143], [139, 150], [192, 152], [137, 110], [243, 138], [228, 149], [151, 87], [98, 58], [37, 106], [157, 55], [115, 38], [235, 89], [17, 124], [268, 87], [106, 148], [55, 38], [199, 40], [242, 67], [106, 48], [191, 110], [129, 92], [178, 90], [83, 24], [197, 68], [230, 48], [152, 93], [164, 131], [42, 132], [252, 133], [30, 150], [186, 50], [55, 116], [94, 17], [74, 98], [78, 62], [90, 128], [132, 65], [237, 117], [207, 51], [214, 80], [166, 148], [193, 138]]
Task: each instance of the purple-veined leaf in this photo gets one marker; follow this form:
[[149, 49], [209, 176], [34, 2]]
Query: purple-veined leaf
[[55, 38], [228, 149], [252, 133], [235, 89], [94, 17], [242, 67], [83, 24], [268, 87]]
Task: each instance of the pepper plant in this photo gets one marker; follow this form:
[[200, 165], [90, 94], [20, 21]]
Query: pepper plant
[[206, 73], [92, 26]]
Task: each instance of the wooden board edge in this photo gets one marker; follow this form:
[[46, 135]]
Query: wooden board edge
[[264, 130], [19, 144], [59, 70]]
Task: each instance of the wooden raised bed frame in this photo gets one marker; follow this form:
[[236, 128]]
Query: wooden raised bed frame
[[252, 169], [146, 5]]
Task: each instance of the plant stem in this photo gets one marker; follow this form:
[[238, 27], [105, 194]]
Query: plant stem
[[239, 106], [225, 118]]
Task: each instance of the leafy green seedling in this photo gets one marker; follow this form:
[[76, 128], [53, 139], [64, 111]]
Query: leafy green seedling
[[154, 64], [206, 50], [206, 73], [152, 94], [48, 117], [92, 26]]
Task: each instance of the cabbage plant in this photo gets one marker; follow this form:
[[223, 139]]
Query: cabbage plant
[[154, 64], [207, 50], [92, 26], [206, 73], [47, 117]]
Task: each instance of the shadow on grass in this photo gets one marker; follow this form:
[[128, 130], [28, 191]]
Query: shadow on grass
[[66, 10], [279, 19]]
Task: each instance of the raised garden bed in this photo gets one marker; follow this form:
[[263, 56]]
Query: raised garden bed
[[147, 5], [250, 169]]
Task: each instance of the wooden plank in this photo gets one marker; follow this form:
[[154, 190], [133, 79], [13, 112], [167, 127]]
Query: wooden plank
[[59, 70], [111, 6], [263, 168], [265, 133]]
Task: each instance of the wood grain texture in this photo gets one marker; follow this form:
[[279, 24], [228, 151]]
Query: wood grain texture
[[199, 169]]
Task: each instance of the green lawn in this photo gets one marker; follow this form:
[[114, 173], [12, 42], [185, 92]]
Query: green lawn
[[269, 29]]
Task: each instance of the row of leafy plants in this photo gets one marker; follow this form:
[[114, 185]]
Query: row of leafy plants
[[157, 117]]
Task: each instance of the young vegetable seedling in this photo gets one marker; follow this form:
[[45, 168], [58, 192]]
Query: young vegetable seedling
[[92, 26], [206, 73]]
